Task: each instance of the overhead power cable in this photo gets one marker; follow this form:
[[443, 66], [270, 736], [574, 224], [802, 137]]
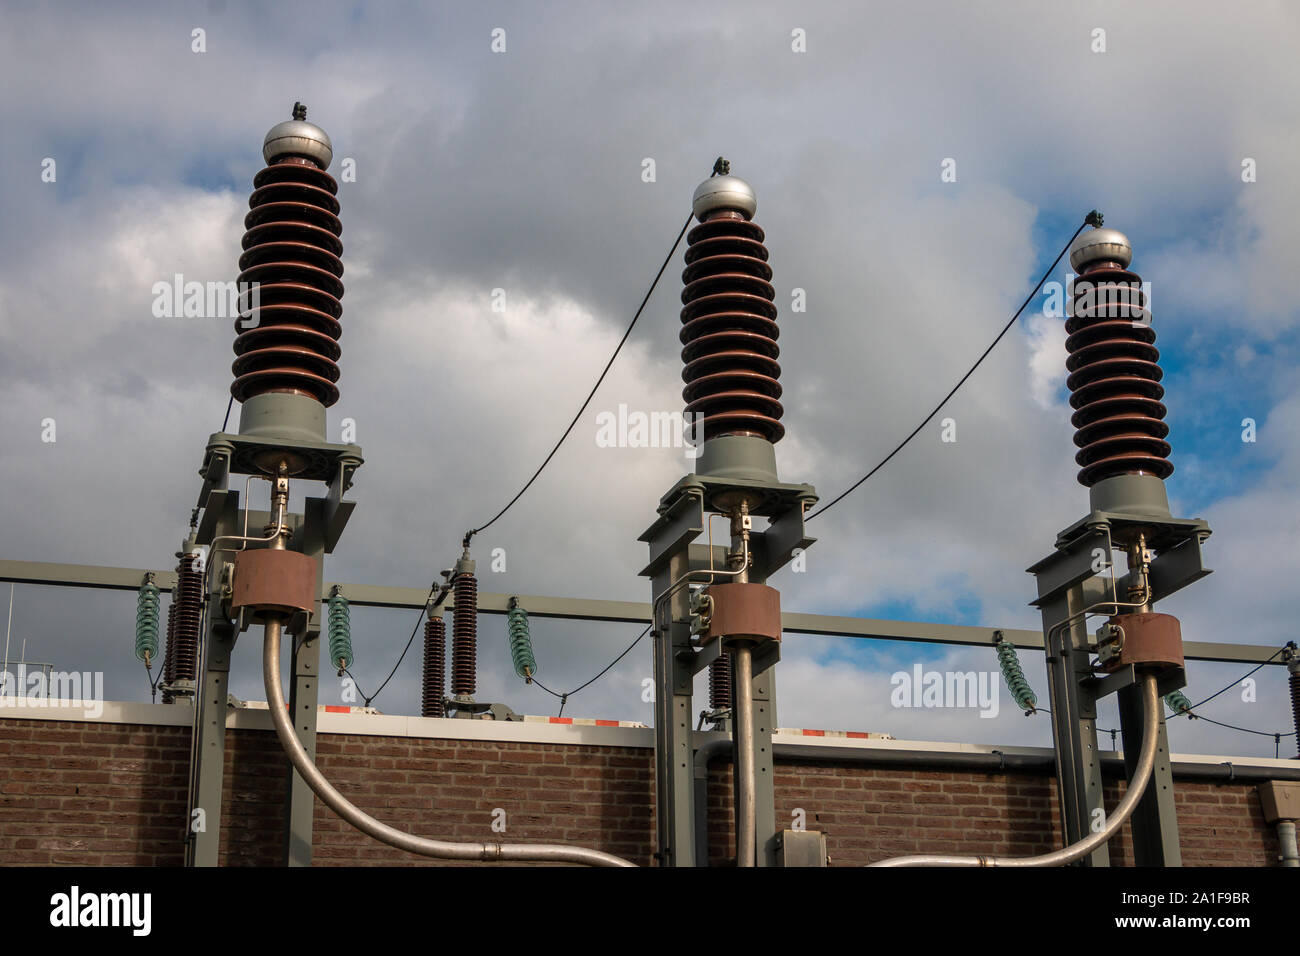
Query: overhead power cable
[[590, 395], [547, 460], [1093, 218], [1192, 716], [564, 698], [442, 591]]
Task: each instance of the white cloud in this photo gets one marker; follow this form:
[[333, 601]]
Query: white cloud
[[522, 172]]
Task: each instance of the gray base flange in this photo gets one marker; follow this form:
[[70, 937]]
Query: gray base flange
[[738, 456], [1141, 496], [283, 415]]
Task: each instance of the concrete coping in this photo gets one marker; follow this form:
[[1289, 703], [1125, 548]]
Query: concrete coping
[[545, 731]]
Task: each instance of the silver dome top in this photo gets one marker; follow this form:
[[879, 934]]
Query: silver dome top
[[1100, 244], [297, 137], [724, 192]]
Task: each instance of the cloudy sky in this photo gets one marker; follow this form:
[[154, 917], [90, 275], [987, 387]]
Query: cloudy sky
[[522, 170]]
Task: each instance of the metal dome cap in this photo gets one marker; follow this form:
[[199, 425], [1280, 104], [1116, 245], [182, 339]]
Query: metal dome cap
[[724, 192], [297, 137], [1098, 245]]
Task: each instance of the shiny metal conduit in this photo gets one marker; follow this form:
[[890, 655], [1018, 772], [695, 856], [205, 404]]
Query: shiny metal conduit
[[441, 849], [1076, 851]]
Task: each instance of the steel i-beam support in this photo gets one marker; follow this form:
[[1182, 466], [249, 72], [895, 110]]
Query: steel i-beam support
[[208, 741], [1077, 580], [673, 561], [674, 677], [1073, 706], [1155, 821], [313, 533]]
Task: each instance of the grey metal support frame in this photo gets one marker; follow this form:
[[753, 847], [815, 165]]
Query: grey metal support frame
[[304, 695], [299, 800], [767, 830], [314, 533], [102, 577], [674, 679], [682, 519], [1155, 820], [1079, 579], [1062, 596], [208, 741]]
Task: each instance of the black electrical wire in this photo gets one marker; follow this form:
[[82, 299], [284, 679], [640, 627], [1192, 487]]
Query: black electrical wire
[[1093, 218], [229, 405], [1189, 710], [1246, 730], [592, 393], [564, 698], [153, 684], [369, 697]]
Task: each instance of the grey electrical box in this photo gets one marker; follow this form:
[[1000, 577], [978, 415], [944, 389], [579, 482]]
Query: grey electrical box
[[1280, 801], [801, 848]]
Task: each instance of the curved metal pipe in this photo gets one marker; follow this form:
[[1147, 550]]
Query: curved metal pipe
[[1076, 851], [441, 849]]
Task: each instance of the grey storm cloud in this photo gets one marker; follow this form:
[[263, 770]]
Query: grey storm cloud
[[522, 171]]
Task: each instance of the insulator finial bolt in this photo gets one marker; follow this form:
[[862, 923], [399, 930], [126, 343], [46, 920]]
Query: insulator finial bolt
[[297, 137], [724, 192], [1100, 245]]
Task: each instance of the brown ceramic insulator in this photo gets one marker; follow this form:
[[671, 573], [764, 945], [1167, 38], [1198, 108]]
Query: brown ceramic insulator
[[169, 662], [729, 330], [464, 637], [291, 250], [1295, 702], [187, 602], [435, 668], [720, 683], [1115, 378]]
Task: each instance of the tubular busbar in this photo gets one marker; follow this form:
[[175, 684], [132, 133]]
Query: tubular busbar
[[1077, 851], [441, 849]]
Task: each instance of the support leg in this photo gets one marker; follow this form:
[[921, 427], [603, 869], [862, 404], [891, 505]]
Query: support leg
[[208, 753], [674, 756], [300, 802], [765, 827], [1155, 821], [1074, 724]]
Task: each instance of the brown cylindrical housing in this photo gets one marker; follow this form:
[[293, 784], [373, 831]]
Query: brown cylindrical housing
[[729, 330], [744, 612], [271, 581], [1151, 640], [432, 703], [291, 251], [1115, 377], [464, 637]]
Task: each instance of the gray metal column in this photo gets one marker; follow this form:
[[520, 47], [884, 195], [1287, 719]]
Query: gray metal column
[[674, 679], [304, 695], [1068, 585], [766, 829], [299, 799], [1155, 821], [208, 750], [208, 739], [1074, 722], [682, 519]]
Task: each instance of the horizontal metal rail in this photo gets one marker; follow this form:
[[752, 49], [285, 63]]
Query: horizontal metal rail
[[628, 612]]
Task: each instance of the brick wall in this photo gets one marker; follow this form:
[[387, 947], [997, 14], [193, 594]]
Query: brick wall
[[114, 794]]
